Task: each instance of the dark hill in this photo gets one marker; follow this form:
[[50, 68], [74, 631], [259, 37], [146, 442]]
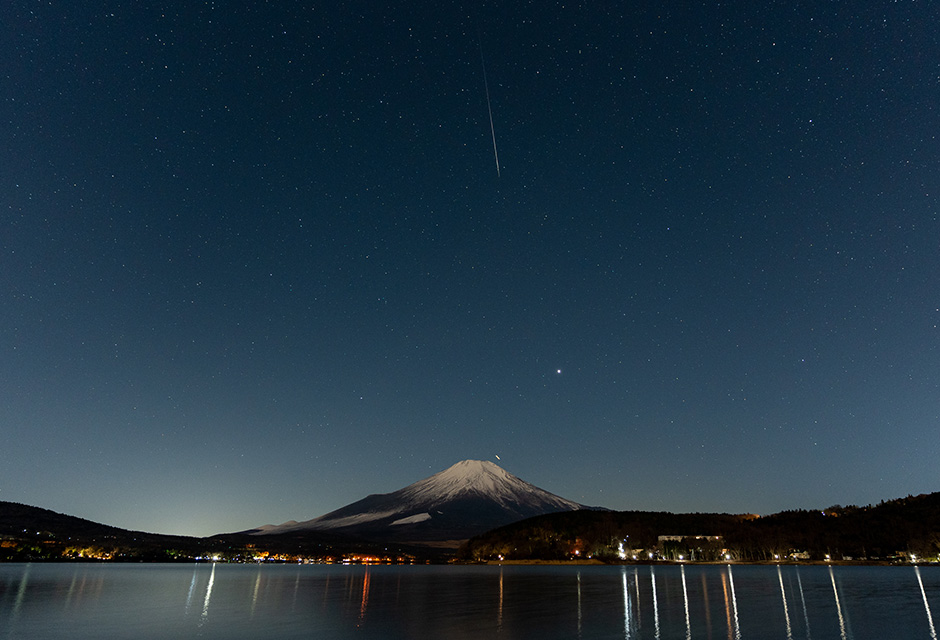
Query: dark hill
[[18, 519], [32, 533], [900, 528]]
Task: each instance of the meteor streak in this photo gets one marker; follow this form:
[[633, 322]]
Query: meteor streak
[[489, 109]]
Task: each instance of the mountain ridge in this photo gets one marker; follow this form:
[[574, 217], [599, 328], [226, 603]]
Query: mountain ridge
[[467, 498], [900, 530]]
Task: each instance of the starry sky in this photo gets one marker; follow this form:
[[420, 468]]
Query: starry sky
[[257, 262]]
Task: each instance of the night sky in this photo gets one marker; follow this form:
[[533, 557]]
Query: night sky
[[256, 261]]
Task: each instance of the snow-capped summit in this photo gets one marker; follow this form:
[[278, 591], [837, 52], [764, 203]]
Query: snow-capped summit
[[461, 501], [483, 478]]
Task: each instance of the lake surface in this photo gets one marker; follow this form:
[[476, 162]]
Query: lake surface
[[519, 602]]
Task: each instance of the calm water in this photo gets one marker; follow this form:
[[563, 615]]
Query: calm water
[[289, 601]]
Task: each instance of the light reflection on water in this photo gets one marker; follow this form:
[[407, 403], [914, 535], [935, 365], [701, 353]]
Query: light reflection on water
[[786, 609], [205, 605], [627, 606], [799, 583], [631, 602], [655, 602], [192, 588], [499, 615], [842, 621], [365, 595], [734, 605], [685, 601], [923, 593], [501, 601]]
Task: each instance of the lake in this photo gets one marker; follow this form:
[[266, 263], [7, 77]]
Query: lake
[[659, 602]]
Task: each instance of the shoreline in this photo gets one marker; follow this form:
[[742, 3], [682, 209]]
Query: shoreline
[[808, 563]]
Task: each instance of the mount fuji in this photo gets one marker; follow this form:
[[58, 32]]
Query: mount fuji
[[464, 500]]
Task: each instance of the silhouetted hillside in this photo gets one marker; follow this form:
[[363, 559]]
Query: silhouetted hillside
[[899, 528], [904, 529], [30, 533], [17, 519]]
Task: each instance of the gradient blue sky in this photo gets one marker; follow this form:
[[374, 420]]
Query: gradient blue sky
[[256, 261]]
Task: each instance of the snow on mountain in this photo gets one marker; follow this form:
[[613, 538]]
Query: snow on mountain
[[467, 498], [418, 517], [480, 477], [266, 528]]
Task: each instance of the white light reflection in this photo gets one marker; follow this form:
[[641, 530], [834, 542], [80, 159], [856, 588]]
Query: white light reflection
[[499, 611], [20, 593], [734, 605], [724, 589], [636, 583], [835, 592], [72, 588], [296, 587], [627, 613], [205, 605], [254, 593], [933, 631], [579, 599], [685, 599], [626, 603], [786, 609], [655, 602], [192, 588], [803, 601]]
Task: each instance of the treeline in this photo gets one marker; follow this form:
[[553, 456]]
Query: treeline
[[904, 528]]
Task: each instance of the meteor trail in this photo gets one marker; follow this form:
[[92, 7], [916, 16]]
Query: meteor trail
[[489, 109]]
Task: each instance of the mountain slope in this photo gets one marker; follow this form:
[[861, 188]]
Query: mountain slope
[[30, 533], [468, 498], [15, 519]]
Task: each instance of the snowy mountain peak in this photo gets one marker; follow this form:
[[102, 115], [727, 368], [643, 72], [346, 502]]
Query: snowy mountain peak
[[483, 478], [465, 499], [479, 475]]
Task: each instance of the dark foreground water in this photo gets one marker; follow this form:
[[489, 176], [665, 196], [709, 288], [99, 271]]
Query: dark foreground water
[[543, 603]]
